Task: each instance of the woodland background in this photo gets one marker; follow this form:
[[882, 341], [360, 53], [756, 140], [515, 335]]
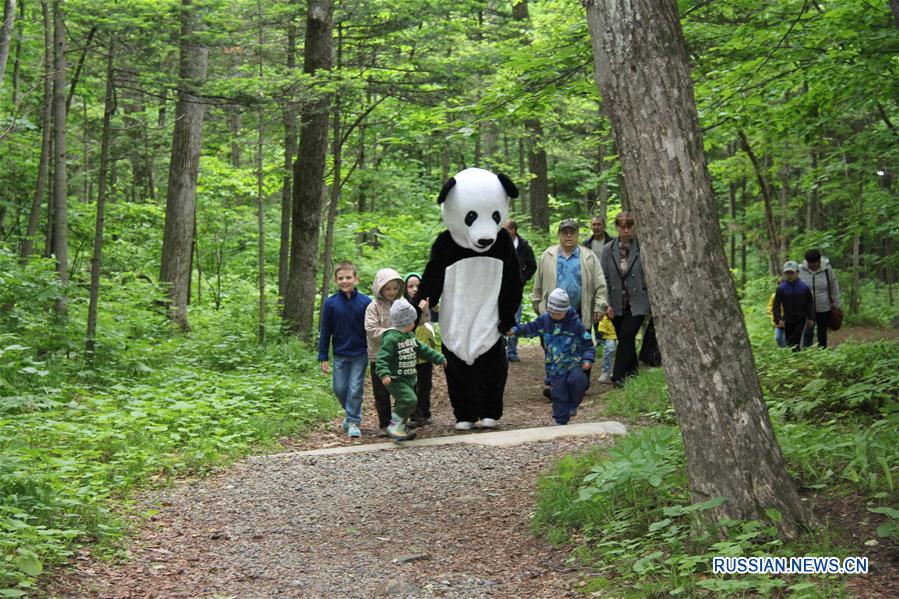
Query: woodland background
[[155, 318]]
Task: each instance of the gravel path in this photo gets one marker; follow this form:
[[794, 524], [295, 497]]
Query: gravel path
[[445, 521]]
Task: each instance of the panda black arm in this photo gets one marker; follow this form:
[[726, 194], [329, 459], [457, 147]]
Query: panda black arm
[[512, 285], [431, 286]]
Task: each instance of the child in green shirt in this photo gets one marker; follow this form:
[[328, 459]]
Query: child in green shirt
[[395, 366]]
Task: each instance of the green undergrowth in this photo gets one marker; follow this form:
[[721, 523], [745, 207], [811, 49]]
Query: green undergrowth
[[78, 438], [626, 512]]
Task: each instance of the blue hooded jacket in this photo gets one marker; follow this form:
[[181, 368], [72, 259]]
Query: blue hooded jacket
[[567, 342]]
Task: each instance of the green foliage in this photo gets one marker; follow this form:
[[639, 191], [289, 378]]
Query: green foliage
[[628, 513]]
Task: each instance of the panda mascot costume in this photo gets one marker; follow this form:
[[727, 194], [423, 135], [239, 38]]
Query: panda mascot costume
[[473, 273]]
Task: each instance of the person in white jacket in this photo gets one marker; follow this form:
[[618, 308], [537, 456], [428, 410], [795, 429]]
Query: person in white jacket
[[818, 275]]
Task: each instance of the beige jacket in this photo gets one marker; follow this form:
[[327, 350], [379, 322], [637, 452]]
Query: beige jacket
[[377, 313], [593, 284]]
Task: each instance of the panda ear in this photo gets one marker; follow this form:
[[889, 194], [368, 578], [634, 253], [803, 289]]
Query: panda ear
[[510, 188], [447, 187]]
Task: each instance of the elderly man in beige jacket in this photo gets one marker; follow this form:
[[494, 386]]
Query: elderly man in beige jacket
[[574, 269]]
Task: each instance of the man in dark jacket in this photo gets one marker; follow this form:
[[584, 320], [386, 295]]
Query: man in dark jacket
[[599, 237], [528, 268], [795, 299]]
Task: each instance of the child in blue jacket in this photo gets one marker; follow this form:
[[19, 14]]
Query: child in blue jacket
[[569, 353]]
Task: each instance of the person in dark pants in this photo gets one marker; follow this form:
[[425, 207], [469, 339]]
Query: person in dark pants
[[628, 299], [817, 274], [793, 301], [528, 265]]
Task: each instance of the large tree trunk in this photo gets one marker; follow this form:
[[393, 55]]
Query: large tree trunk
[[538, 186], [46, 116], [290, 150], [644, 77], [60, 172], [6, 29], [260, 197], [17, 62], [181, 197], [308, 176], [96, 260]]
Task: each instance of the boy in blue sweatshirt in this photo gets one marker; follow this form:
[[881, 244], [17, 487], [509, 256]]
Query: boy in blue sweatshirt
[[343, 321], [569, 353], [793, 305]]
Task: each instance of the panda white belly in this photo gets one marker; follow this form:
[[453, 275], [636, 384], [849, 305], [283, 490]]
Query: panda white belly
[[469, 312]]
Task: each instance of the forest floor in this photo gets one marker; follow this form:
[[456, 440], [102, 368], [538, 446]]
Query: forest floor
[[446, 521]]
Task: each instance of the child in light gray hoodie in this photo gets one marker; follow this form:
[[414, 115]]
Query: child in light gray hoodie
[[387, 287]]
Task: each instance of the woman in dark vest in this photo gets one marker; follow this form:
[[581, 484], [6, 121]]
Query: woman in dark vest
[[628, 300]]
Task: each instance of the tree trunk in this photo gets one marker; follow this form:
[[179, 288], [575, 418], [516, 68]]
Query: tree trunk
[[773, 258], [6, 30], [308, 176], [784, 201], [183, 168], [235, 120], [77, 75], [46, 116], [96, 260], [60, 172], [290, 150], [894, 6], [260, 198], [812, 208], [854, 291], [603, 191], [16, 65], [538, 186], [732, 209], [336, 183], [644, 77]]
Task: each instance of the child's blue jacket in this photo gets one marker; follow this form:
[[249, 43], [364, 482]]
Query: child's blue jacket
[[567, 342], [343, 319]]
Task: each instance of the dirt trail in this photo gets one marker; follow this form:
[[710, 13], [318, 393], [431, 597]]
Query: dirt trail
[[449, 521]]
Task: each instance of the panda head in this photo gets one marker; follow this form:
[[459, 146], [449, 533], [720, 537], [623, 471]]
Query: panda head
[[475, 204]]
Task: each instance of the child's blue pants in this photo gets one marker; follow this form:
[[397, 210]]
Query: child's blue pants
[[567, 391]]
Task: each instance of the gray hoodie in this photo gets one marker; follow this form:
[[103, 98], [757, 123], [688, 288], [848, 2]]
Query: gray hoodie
[[817, 282], [377, 313]]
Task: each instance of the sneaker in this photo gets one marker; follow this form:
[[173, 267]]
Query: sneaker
[[353, 430], [464, 425], [561, 423], [605, 377], [397, 431], [488, 423], [345, 425], [514, 358]]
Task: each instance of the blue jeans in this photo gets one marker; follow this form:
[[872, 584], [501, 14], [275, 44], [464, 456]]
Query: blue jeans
[[512, 347], [347, 380], [780, 337], [567, 391], [608, 355]]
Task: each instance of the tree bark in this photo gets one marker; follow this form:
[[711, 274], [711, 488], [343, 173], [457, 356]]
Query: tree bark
[[16, 65], [46, 116], [643, 74], [773, 258], [96, 260], [336, 183], [183, 168], [894, 6], [538, 186], [784, 201], [6, 30], [260, 197], [290, 150], [308, 176], [60, 172]]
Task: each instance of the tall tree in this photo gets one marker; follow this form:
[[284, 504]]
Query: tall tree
[[308, 176], [46, 120], [290, 149], [260, 196], [643, 74], [181, 198], [97, 258], [6, 30], [60, 169]]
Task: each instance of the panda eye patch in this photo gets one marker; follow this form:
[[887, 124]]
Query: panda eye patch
[[496, 216], [471, 217]]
